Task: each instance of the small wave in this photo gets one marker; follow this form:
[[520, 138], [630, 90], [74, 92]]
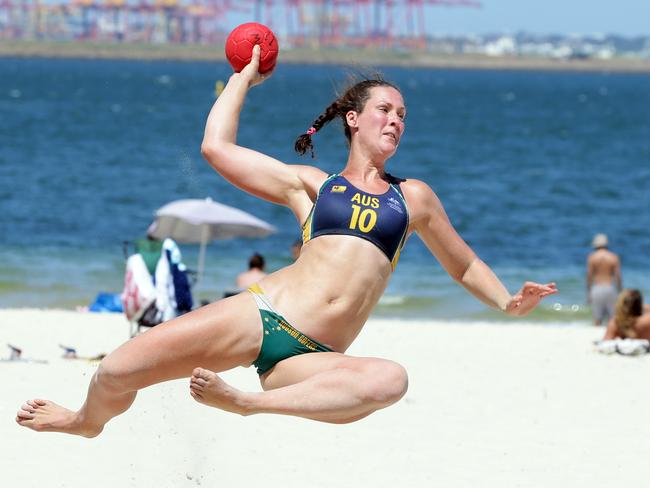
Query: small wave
[[390, 300], [164, 80]]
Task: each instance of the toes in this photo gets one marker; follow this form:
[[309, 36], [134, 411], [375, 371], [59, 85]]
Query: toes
[[202, 374], [27, 407], [197, 384], [25, 414], [33, 404]]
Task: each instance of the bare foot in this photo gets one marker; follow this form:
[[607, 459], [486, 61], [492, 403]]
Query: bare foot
[[207, 388], [46, 416]]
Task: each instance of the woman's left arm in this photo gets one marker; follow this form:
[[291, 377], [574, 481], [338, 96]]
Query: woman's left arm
[[431, 223]]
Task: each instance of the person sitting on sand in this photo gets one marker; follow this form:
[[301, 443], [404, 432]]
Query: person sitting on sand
[[296, 324], [631, 317], [255, 273]]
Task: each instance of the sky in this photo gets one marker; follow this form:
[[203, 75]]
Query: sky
[[587, 17], [624, 17]]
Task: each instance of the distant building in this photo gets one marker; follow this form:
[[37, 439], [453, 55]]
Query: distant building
[[503, 46]]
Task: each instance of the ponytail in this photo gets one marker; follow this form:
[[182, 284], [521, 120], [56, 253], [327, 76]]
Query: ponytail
[[304, 141]]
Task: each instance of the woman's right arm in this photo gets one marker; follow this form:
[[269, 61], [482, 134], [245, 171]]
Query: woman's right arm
[[249, 170]]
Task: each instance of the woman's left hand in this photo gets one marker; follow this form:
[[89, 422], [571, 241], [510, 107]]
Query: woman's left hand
[[529, 297]]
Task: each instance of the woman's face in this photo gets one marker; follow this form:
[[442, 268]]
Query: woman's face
[[380, 125]]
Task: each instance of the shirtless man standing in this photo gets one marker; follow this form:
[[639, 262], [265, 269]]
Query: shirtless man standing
[[603, 280]]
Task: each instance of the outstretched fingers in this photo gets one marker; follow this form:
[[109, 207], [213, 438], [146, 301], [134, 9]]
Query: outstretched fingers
[[529, 297], [540, 290], [547, 293]]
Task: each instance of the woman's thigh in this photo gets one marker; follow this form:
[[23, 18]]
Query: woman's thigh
[[302, 367], [219, 336]]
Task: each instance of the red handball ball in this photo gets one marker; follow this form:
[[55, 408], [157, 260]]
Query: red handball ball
[[240, 42]]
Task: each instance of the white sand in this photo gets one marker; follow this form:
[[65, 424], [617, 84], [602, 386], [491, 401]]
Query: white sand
[[511, 405]]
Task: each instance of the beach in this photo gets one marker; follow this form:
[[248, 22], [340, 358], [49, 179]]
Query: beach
[[516, 156], [489, 404]]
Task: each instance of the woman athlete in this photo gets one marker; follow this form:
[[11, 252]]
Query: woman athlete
[[296, 324]]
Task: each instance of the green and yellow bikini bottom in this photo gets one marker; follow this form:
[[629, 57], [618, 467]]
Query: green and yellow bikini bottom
[[280, 340]]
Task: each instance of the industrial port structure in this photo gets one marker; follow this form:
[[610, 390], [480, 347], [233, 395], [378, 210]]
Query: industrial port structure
[[298, 23]]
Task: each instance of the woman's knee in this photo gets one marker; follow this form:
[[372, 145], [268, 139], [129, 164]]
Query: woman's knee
[[387, 382], [114, 377]]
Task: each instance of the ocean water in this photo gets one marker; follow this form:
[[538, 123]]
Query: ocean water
[[529, 165]]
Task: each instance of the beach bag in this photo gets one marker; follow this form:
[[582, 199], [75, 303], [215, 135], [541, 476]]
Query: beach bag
[[107, 302]]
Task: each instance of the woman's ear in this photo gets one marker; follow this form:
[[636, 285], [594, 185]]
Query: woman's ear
[[351, 118]]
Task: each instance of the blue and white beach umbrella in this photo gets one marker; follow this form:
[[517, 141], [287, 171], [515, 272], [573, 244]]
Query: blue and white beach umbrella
[[196, 221]]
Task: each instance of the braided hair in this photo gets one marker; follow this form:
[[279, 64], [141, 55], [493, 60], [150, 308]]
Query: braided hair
[[354, 98]]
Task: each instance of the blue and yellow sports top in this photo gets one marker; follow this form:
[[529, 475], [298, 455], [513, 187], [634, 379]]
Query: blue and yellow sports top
[[343, 209]]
